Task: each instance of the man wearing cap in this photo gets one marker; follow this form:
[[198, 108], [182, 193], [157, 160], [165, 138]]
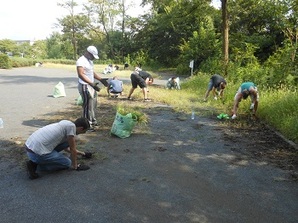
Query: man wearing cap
[[246, 89], [87, 86]]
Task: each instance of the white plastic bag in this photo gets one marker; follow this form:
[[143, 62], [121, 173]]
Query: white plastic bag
[[59, 90]]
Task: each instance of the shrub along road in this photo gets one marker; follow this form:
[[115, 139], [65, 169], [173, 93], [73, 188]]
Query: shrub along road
[[175, 169]]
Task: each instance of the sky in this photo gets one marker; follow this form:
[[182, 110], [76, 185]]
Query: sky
[[35, 19]]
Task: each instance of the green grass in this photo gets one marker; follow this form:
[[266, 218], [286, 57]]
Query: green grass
[[278, 107]]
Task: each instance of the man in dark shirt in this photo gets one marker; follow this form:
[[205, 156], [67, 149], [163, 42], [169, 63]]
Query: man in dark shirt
[[141, 79], [218, 83]]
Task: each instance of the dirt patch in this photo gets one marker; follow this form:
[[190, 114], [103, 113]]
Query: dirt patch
[[254, 140]]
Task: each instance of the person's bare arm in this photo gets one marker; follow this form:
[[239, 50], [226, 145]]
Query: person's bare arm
[[96, 76], [78, 151], [82, 76], [73, 151]]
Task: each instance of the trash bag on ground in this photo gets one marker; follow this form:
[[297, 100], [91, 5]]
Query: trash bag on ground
[[59, 90], [123, 125]]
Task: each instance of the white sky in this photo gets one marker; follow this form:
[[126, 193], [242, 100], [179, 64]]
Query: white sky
[[35, 19]]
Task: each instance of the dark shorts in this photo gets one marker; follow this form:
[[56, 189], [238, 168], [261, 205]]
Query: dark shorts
[[210, 85], [136, 81]]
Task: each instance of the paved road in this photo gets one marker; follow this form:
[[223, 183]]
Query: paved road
[[27, 93], [187, 174]]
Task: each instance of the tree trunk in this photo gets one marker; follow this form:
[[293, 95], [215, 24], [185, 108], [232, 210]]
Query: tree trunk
[[225, 22]]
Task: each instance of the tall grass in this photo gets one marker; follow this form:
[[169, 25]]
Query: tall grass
[[280, 109], [277, 107]]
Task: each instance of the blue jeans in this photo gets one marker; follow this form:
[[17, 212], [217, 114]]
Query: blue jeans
[[52, 161]]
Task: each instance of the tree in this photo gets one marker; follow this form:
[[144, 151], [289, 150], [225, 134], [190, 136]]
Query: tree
[[171, 23], [225, 24], [25, 50], [201, 46], [103, 16], [54, 46], [7, 45], [73, 26], [39, 50]]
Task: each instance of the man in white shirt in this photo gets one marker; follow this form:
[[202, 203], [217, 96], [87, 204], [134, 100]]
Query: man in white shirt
[[87, 87], [43, 147]]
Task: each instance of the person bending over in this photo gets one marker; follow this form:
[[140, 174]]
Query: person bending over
[[218, 83], [115, 87], [246, 89], [141, 79]]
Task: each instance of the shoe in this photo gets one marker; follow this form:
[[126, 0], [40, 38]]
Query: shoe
[[31, 169], [129, 98], [147, 99], [87, 155], [82, 167], [91, 129]]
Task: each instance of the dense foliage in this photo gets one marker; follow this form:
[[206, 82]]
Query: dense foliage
[[263, 36]]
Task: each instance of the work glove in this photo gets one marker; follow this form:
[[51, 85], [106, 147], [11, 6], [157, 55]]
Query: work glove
[[252, 106], [95, 86], [87, 155]]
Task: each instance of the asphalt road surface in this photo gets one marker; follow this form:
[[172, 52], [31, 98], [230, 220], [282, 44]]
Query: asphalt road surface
[[180, 171]]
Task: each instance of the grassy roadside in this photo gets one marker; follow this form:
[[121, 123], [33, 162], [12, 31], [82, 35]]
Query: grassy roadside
[[278, 107]]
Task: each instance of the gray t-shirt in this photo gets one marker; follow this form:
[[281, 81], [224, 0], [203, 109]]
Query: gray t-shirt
[[115, 86], [45, 139]]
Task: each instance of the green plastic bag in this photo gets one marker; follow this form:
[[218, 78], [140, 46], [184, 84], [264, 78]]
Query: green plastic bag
[[59, 90], [79, 100], [123, 125], [223, 116]]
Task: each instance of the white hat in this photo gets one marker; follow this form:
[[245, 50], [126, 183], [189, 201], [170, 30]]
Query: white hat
[[93, 51]]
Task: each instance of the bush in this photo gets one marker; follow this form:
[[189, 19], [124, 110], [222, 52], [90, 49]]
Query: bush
[[5, 62], [22, 62], [183, 70]]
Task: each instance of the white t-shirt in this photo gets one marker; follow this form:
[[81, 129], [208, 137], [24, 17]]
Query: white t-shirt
[[45, 139], [88, 68]]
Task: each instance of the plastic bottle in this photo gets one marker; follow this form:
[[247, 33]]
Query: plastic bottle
[[192, 115], [1, 123]]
